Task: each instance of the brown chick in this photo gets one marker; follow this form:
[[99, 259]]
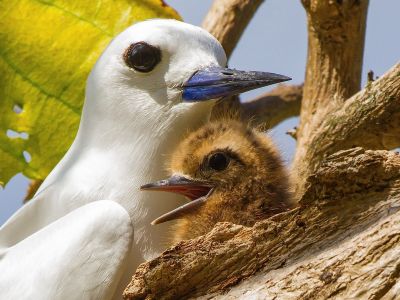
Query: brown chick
[[230, 173]]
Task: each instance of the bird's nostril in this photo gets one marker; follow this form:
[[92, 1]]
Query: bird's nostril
[[227, 73]]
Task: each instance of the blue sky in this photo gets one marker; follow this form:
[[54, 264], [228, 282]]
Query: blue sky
[[275, 41]]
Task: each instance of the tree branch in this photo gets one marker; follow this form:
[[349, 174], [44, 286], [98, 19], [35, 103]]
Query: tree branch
[[227, 19], [336, 34], [344, 207], [267, 110], [369, 119], [273, 107]]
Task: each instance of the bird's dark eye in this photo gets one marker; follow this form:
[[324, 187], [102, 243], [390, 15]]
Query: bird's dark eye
[[142, 57], [218, 161]]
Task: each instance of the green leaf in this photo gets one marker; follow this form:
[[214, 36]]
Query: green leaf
[[47, 48]]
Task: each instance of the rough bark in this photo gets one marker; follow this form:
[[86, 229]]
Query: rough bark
[[369, 119], [345, 231], [336, 33]]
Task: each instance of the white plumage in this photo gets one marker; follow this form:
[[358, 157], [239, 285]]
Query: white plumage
[[88, 226], [130, 121]]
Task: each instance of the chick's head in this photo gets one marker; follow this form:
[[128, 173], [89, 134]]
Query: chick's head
[[229, 172], [235, 160]]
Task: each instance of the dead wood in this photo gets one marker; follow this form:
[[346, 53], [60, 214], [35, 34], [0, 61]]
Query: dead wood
[[345, 230], [336, 34], [369, 119]]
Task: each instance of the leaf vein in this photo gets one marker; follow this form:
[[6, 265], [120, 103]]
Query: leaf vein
[[36, 85], [76, 16]]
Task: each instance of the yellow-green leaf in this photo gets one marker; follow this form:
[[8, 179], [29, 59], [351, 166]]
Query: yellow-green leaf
[[47, 48]]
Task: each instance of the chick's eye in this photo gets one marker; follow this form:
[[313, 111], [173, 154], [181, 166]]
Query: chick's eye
[[142, 57], [218, 161]]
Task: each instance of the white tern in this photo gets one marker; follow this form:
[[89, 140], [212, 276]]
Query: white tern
[[88, 226]]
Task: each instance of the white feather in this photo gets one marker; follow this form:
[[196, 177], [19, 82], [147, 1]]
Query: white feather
[[131, 121], [80, 256]]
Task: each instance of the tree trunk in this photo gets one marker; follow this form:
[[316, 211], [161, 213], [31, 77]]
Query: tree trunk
[[336, 33]]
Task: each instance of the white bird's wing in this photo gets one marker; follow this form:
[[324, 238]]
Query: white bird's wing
[[80, 256]]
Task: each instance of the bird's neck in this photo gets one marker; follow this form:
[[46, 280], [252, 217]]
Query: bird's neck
[[111, 158]]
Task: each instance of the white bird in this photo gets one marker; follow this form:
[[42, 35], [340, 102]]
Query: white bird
[[142, 96]]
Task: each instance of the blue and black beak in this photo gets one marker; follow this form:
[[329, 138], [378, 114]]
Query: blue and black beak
[[216, 82]]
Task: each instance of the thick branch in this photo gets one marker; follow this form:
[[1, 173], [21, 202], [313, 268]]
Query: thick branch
[[366, 266], [369, 119], [362, 184], [273, 107], [227, 19], [267, 110], [336, 33]]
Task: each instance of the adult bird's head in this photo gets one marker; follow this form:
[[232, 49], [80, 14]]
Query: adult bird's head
[[229, 172], [165, 66]]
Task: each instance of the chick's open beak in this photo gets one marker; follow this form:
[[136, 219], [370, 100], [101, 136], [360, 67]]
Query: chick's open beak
[[196, 191], [217, 82]]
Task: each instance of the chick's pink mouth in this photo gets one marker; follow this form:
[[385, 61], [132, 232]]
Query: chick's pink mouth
[[192, 192], [196, 191]]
